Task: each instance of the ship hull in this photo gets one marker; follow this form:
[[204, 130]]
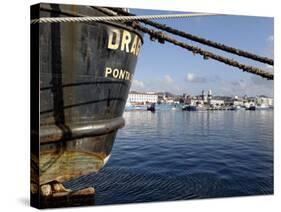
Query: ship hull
[[190, 108], [85, 76]]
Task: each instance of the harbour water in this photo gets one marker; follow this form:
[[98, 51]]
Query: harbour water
[[176, 155]]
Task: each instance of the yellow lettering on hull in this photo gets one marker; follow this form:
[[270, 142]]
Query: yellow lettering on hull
[[118, 74], [124, 41]]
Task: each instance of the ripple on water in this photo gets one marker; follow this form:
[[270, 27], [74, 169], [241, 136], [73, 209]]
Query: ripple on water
[[182, 155]]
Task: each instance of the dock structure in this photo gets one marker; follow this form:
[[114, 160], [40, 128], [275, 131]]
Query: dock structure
[[85, 197]]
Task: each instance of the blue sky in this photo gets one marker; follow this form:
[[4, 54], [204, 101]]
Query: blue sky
[[170, 68]]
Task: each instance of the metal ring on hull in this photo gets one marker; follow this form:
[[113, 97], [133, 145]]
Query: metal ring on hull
[[53, 133]]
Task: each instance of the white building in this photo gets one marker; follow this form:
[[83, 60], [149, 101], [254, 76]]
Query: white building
[[142, 98], [238, 102], [216, 102], [195, 102], [262, 100]]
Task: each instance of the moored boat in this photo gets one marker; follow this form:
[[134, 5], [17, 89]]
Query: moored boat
[[251, 107], [85, 76], [263, 107], [151, 107], [189, 108]]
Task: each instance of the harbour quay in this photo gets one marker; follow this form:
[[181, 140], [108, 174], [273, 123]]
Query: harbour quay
[[204, 101]]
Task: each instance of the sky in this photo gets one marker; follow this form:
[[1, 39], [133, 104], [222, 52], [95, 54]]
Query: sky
[[170, 68]]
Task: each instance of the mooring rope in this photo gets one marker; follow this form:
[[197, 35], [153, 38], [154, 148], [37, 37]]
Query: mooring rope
[[206, 54], [114, 18], [161, 37], [198, 39]]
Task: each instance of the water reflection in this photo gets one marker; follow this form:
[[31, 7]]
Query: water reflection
[[171, 155]]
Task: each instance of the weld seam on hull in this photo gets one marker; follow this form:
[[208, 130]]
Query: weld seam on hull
[[52, 134]]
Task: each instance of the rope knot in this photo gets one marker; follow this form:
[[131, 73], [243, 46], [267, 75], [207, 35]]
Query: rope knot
[[157, 35]]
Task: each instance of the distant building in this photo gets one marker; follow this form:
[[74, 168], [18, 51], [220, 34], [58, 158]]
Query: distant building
[[228, 101], [249, 101], [264, 100], [216, 102], [136, 97], [237, 101], [204, 97], [195, 102], [210, 96], [187, 99]]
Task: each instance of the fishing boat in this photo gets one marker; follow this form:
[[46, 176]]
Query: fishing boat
[[85, 76], [84, 70], [189, 108], [251, 107], [235, 107], [262, 107], [151, 107]]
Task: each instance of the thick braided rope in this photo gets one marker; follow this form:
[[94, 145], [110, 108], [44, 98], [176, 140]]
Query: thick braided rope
[[195, 38], [113, 18]]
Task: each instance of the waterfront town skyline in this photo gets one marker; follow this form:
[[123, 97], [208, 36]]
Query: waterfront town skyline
[[195, 94], [204, 98]]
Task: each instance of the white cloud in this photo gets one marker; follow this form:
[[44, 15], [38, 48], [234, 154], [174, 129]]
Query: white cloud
[[165, 83], [192, 78], [270, 38], [255, 85], [138, 85], [251, 86], [168, 79]]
